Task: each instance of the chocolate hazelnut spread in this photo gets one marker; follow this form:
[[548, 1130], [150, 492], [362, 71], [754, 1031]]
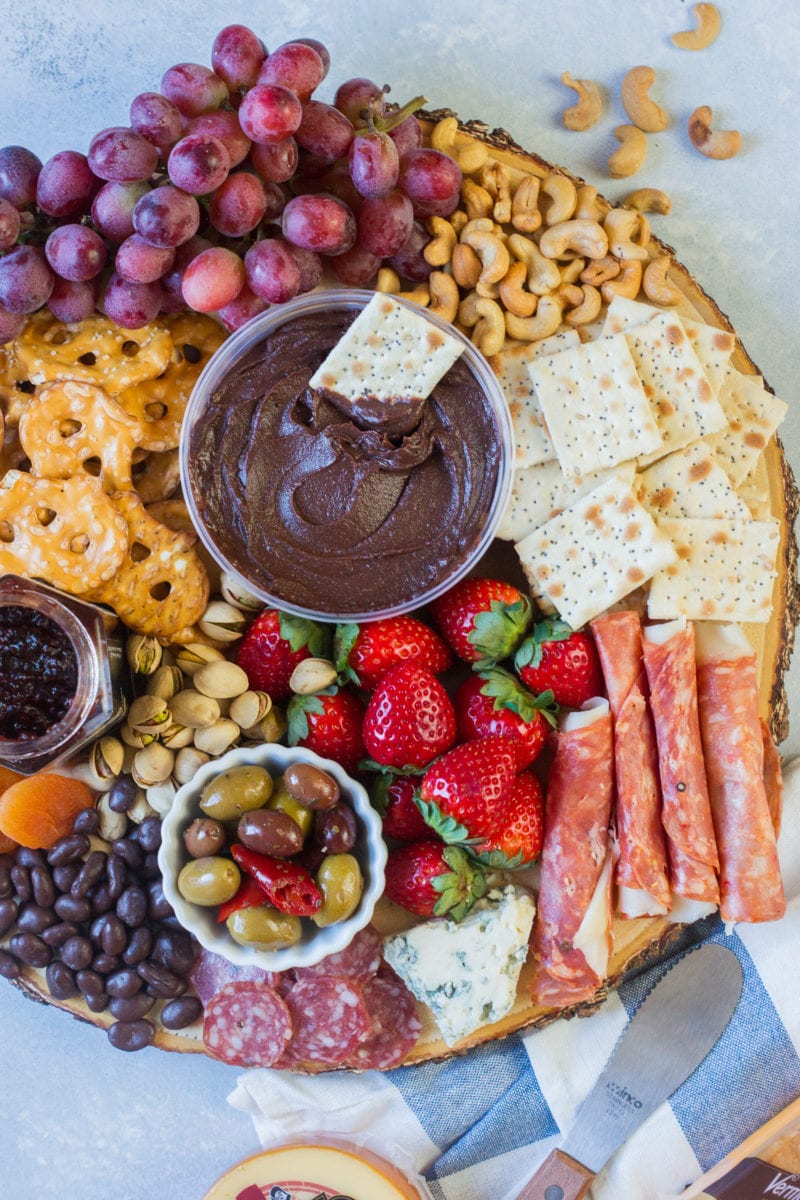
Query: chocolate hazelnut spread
[[333, 508]]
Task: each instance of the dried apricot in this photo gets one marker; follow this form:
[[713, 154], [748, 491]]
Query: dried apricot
[[38, 810]]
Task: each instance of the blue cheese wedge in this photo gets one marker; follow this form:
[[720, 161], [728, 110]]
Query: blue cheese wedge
[[467, 973]]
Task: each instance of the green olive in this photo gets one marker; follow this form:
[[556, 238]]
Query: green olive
[[209, 881], [236, 791], [283, 802], [339, 879], [264, 927]]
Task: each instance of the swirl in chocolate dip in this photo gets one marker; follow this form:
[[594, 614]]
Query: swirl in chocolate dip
[[337, 508]]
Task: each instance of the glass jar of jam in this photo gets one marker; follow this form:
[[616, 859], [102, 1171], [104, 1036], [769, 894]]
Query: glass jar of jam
[[63, 674]]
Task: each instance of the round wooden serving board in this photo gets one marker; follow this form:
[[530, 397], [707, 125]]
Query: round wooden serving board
[[637, 943]]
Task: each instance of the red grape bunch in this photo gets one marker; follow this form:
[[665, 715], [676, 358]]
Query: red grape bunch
[[229, 191]]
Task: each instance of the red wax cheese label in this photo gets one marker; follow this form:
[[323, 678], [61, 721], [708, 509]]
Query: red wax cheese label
[[312, 1173]]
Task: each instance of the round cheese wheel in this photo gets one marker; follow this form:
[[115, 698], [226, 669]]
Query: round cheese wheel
[[310, 1172]]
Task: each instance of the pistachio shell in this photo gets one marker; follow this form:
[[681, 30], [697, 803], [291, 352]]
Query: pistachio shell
[[161, 795], [148, 713], [144, 653], [222, 680], [188, 762], [222, 622], [250, 708], [194, 655], [312, 675], [176, 736], [165, 683], [113, 825], [238, 596], [140, 810], [191, 708], [217, 738], [135, 737], [105, 760], [153, 765]]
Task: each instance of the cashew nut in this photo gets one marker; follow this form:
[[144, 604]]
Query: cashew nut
[[643, 111], [589, 204], [600, 269], [564, 197], [512, 293], [648, 200], [489, 332], [543, 274], [545, 322], [627, 236], [631, 154], [477, 201], [654, 283], [572, 270], [439, 249], [495, 177], [589, 108], [627, 283], [722, 144], [470, 155], [458, 220], [485, 224], [420, 295], [387, 281], [708, 22], [494, 257], [588, 308], [525, 215], [466, 266], [583, 237], [444, 295]]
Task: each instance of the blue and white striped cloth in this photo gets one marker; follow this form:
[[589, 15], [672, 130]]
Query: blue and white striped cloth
[[478, 1125]]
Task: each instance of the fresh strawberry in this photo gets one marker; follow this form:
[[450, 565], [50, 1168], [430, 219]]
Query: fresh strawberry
[[329, 723], [396, 801], [565, 662], [410, 719], [273, 646], [493, 701], [519, 841], [364, 653], [466, 794], [482, 620], [430, 879]]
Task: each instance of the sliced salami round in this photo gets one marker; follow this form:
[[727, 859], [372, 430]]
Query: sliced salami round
[[247, 1024], [329, 1020], [359, 960], [211, 972], [395, 1024]]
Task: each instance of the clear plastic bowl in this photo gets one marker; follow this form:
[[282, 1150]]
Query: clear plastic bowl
[[316, 943], [241, 344]]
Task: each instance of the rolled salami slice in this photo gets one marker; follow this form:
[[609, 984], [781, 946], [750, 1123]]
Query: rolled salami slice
[[571, 939], [773, 780], [246, 1024], [641, 867], [669, 659], [727, 692]]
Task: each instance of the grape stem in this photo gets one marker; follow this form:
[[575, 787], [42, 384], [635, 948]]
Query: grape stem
[[383, 123]]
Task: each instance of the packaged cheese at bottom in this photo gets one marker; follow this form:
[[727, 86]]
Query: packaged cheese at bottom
[[766, 1164]]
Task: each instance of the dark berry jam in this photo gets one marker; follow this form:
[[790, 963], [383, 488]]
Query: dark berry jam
[[38, 673]]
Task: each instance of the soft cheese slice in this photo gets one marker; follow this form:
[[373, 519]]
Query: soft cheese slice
[[689, 483], [598, 550], [541, 492], [596, 409], [712, 346], [532, 441], [753, 414], [389, 352], [724, 571], [467, 973]]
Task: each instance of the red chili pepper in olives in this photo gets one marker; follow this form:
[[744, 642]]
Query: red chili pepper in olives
[[288, 886], [249, 895]]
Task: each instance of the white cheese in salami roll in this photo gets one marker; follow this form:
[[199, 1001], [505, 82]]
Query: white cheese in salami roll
[[669, 658], [727, 692], [641, 868], [571, 940]]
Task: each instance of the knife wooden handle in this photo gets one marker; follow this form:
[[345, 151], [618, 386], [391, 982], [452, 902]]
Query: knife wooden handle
[[558, 1178]]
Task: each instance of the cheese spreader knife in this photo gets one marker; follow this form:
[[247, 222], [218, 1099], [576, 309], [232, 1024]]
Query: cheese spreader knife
[[670, 1034]]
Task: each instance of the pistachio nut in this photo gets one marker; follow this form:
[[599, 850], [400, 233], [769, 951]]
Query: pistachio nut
[[191, 708], [312, 675], [222, 622], [217, 738], [271, 728], [113, 825], [250, 708], [188, 762], [153, 765], [176, 736], [140, 810], [194, 655], [148, 713], [161, 795], [105, 761], [144, 653], [222, 680], [135, 737], [238, 596], [165, 682]]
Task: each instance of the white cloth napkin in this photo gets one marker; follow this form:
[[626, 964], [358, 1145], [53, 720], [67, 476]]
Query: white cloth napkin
[[478, 1125]]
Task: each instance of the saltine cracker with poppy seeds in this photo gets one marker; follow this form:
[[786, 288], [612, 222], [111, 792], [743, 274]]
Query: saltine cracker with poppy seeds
[[541, 492], [689, 483], [753, 415]]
